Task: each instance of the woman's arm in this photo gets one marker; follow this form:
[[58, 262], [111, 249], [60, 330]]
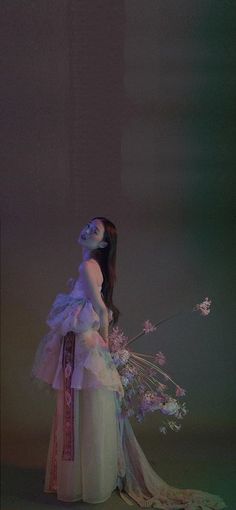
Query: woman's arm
[[104, 323], [88, 274]]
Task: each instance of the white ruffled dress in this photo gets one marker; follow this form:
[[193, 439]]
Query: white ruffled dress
[[93, 449], [92, 363]]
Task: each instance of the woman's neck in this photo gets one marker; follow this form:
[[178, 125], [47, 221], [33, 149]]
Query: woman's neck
[[87, 254]]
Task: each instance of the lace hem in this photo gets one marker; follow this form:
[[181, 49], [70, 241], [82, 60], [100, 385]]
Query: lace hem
[[144, 486]]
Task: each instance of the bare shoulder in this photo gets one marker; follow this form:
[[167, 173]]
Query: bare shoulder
[[87, 266], [92, 267]]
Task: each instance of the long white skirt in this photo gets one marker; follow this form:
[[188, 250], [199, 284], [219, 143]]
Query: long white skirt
[[93, 451], [92, 447]]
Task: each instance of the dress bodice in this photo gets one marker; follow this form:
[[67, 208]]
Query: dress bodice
[[78, 289]]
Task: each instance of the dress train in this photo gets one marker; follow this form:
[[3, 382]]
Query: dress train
[[93, 451], [145, 487]]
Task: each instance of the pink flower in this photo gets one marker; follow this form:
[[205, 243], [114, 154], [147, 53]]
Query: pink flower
[[182, 411], [170, 407], [148, 327], [160, 358], [163, 429], [143, 392], [203, 307], [117, 339], [179, 392], [173, 425], [161, 386], [152, 372]]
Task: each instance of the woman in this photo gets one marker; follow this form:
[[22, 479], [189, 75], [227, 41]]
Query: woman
[[92, 449]]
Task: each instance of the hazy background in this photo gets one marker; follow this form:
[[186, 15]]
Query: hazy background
[[122, 109]]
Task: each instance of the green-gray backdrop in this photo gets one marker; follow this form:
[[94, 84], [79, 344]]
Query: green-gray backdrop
[[122, 109]]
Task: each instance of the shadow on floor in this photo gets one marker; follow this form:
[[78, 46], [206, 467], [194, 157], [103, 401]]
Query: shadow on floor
[[205, 463]]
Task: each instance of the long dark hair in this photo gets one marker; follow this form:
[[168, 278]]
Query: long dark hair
[[106, 258]]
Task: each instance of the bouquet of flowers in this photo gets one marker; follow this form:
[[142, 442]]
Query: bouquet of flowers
[[144, 382]]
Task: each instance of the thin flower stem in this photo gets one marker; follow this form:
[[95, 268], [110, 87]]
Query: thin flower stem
[[144, 372], [135, 363], [142, 369], [155, 325], [150, 387], [157, 368], [141, 354], [146, 362]]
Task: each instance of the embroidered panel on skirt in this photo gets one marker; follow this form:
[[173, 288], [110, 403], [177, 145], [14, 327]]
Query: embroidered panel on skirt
[[68, 406], [53, 467]]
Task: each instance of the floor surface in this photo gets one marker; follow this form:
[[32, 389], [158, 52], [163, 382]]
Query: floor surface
[[193, 461]]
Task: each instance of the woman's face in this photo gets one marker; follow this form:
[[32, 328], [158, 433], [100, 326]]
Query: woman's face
[[92, 234]]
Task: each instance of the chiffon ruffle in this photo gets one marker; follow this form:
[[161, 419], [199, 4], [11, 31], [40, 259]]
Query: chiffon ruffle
[[69, 313], [93, 366]]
